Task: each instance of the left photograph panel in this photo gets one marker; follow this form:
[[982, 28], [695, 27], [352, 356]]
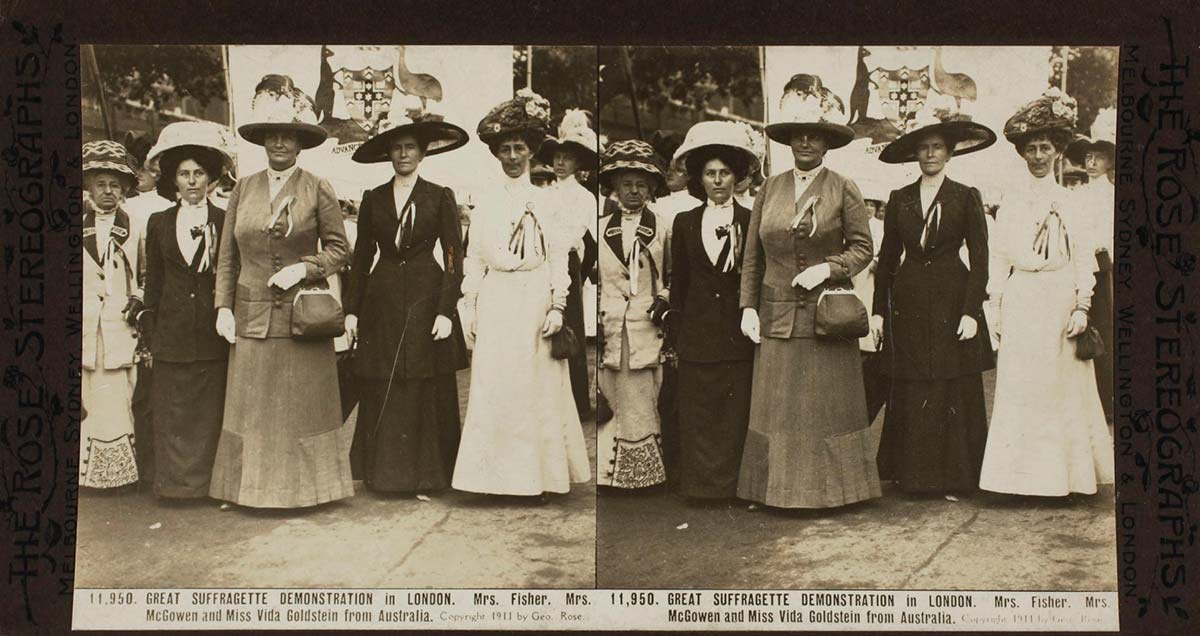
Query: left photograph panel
[[338, 322]]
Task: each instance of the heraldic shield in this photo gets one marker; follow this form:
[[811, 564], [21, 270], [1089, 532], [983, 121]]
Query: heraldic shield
[[902, 94], [368, 95]]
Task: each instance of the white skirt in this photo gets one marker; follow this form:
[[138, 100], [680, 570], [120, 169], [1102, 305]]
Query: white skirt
[[1048, 435], [521, 434]]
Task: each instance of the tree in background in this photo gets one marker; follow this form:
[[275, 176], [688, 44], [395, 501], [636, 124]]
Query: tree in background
[[159, 77], [1091, 78], [561, 74], [720, 78]]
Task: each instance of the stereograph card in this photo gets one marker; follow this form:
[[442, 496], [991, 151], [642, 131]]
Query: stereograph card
[[746, 316]]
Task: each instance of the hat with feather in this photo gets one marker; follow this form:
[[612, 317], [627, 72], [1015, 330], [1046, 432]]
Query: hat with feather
[[808, 106], [279, 105], [574, 134], [1103, 138]]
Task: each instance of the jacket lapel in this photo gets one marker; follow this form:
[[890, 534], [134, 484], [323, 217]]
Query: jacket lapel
[[89, 236], [170, 238], [612, 236]]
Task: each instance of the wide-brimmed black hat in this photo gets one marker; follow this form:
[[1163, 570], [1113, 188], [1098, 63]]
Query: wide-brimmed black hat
[[963, 136], [436, 135]]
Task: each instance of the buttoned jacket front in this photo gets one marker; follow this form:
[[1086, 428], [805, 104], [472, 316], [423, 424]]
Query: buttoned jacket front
[[622, 312], [251, 252], [775, 254]]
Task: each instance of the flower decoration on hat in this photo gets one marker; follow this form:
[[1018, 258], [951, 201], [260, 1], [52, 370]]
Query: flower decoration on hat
[[527, 112], [1053, 112]]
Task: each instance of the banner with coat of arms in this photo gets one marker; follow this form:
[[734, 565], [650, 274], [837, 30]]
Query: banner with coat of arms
[[355, 88], [884, 90]]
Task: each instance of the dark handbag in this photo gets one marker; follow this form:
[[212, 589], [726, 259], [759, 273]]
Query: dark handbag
[[564, 344], [604, 411], [317, 313], [1089, 345], [840, 315]]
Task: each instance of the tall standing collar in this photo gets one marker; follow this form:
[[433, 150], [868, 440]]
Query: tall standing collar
[[286, 173], [404, 181], [809, 173], [935, 181]]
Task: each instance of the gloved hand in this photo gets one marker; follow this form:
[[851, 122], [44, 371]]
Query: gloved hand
[[1077, 324], [133, 307], [657, 310], [967, 328], [813, 276], [441, 327], [288, 276], [226, 326], [352, 327], [750, 326]]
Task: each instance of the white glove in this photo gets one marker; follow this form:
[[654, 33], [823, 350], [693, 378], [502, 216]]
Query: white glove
[[877, 329], [288, 276], [553, 323], [441, 327], [750, 325], [352, 327], [1077, 324], [967, 328], [991, 312], [226, 326], [812, 276]]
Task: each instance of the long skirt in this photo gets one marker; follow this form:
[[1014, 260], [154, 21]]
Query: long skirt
[[629, 446], [1047, 435], [521, 434], [406, 438], [283, 444], [934, 433], [714, 411], [188, 399], [1101, 317], [143, 423], [581, 384], [107, 456], [809, 444]]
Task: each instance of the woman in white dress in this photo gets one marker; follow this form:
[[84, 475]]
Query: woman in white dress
[[522, 434], [576, 148], [1047, 434]]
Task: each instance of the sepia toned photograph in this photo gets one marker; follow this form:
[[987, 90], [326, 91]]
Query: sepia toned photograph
[[334, 317], [856, 318]]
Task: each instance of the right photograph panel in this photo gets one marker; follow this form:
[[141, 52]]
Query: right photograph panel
[[855, 318]]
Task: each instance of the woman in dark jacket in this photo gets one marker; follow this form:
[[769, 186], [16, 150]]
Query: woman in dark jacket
[[930, 311], [188, 393], [715, 358], [403, 314]]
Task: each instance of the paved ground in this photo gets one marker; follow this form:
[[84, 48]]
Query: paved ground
[[369, 541], [988, 541]]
